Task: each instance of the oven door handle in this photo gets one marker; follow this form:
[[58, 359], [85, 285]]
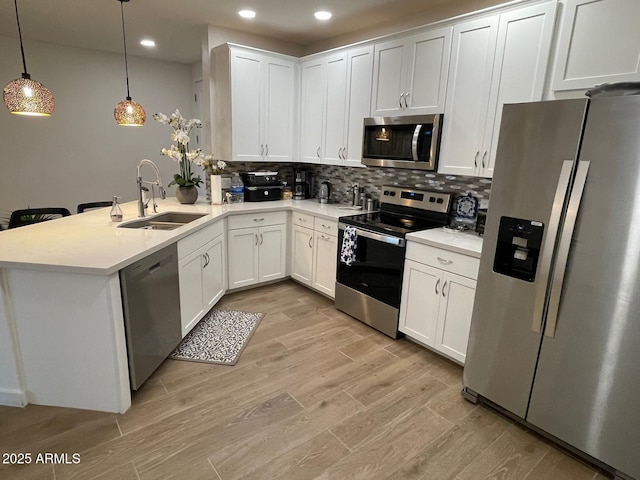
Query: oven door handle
[[414, 142], [390, 239]]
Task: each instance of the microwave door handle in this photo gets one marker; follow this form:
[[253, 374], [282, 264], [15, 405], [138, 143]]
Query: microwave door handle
[[414, 142]]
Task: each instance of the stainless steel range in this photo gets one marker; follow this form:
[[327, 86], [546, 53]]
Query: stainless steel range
[[371, 259]]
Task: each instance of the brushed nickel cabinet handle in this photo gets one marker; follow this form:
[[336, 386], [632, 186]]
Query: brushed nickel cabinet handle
[[400, 101], [318, 152], [444, 261], [475, 160], [406, 97], [437, 283], [266, 153], [258, 219], [310, 240], [484, 155], [443, 288], [256, 239], [261, 239], [261, 149]]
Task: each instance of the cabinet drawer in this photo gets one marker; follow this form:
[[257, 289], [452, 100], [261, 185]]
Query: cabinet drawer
[[197, 239], [249, 220], [443, 259], [302, 219], [323, 225]]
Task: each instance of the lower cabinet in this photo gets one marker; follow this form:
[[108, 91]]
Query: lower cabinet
[[438, 290], [256, 247], [201, 271], [314, 250]]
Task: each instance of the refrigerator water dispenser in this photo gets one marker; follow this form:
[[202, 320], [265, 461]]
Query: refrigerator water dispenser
[[518, 248]]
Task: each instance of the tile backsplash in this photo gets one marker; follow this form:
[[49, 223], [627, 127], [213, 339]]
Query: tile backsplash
[[372, 179]]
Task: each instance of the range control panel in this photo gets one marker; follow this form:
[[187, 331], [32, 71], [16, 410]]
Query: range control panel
[[410, 197]]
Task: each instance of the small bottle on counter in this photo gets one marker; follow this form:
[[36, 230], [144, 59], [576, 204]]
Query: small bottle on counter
[[237, 189], [116, 211]]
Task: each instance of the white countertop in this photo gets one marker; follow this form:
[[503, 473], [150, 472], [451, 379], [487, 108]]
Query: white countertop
[[90, 243], [467, 243]]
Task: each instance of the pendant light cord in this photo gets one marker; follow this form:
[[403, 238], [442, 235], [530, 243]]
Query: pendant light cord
[[24, 62], [124, 41]]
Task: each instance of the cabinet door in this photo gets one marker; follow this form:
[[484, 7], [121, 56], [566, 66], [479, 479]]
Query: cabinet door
[[599, 43], [454, 317], [522, 56], [468, 89], [428, 70], [312, 108], [246, 102], [421, 291], [279, 77], [325, 256], [359, 76], [334, 119], [190, 283], [242, 248], [213, 273], [302, 254], [389, 78], [272, 244]]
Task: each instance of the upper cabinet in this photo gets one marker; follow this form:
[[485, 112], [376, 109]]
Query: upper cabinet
[[495, 60], [255, 102], [599, 42], [410, 74], [335, 96]]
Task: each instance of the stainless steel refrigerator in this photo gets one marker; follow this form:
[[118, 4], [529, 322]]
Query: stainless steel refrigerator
[[555, 334]]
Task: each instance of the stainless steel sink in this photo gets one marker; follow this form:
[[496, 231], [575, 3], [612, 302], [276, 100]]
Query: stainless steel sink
[[163, 221]]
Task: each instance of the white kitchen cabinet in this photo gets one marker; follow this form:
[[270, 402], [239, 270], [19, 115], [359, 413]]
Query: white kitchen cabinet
[[410, 74], [302, 254], [335, 93], [599, 42], [201, 273], [495, 60], [438, 291], [255, 105], [314, 250], [313, 74], [257, 245], [325, 252]]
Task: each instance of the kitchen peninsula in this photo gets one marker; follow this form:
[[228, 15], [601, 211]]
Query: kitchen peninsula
[[61, 300]]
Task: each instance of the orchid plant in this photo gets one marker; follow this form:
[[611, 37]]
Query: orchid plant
[[214, 168], [179, 150]]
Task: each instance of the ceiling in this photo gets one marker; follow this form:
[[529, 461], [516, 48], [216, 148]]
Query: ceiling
[[177, 26]]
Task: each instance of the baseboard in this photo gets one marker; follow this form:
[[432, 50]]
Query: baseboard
[[12, 398]]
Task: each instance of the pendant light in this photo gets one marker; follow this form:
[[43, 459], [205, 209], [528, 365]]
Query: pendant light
[[24, 96], [128, 113]]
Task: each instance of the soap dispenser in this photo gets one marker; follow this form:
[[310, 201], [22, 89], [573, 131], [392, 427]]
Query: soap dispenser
[[116, 211]]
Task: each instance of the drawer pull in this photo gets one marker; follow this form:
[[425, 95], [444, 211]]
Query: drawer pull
[[302, 219], [258, 219], [444, 261]]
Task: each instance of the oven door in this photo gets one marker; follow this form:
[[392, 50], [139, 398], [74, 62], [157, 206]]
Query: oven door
[[377, 269]]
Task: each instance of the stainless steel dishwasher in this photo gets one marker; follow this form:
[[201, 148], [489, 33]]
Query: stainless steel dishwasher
[[151, 304]]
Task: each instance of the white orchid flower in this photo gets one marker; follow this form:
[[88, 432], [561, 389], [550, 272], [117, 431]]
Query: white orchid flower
[[180, 137]]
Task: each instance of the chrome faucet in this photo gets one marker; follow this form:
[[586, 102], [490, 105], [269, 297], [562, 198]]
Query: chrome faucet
[[142, 205]]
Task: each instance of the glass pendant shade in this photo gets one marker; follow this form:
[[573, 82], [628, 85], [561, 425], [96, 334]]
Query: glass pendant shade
[[129, 113], [24, 96]]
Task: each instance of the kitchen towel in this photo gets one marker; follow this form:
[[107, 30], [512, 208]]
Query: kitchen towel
[[349, 244]]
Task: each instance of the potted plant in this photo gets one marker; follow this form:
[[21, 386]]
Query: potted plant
[[179, 151]]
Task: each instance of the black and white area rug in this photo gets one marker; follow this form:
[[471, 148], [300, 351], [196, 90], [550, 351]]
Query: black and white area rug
[[218, 338]]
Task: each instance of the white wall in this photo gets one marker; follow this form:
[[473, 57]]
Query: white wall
[[80, 154]]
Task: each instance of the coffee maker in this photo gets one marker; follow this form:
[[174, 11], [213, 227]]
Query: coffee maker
[[302, 184]]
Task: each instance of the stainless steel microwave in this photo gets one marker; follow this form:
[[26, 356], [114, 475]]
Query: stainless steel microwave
[[402, 142]]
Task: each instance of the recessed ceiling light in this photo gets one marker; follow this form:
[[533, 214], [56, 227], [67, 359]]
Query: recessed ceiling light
[[147, 42], [247, 13], [322, 15]]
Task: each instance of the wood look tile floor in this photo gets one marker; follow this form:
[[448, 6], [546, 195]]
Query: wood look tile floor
[[316, 394]]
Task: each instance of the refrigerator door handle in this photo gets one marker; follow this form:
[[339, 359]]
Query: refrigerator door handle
[[549, 243], [564, 246]]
